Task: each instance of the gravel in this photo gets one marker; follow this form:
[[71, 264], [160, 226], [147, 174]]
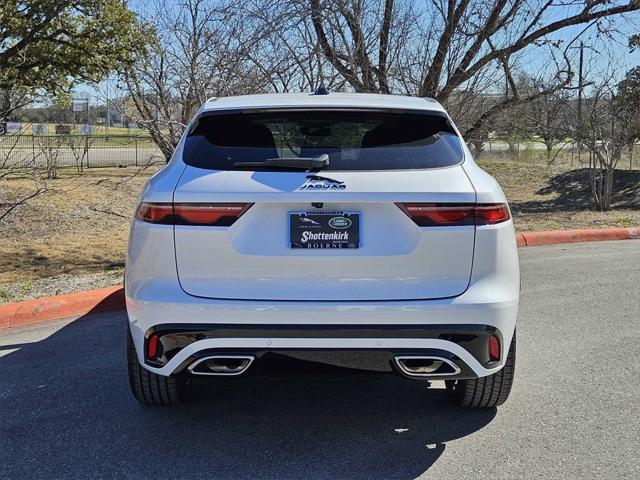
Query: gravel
[[58, 285]]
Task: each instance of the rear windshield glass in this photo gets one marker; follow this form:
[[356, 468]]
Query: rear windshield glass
[[353, 140]]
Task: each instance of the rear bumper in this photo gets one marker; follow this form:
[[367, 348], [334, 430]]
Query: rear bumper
[[155, 299], [370, 347], [390, 328]]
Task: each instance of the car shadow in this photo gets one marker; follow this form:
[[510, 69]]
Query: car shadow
[[67, 413]]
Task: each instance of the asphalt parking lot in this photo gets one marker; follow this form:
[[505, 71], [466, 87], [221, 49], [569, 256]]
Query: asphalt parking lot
[[66, 411]]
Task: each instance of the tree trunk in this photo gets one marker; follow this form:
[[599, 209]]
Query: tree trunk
[[5, 105], [478, 148], [608, 189], [514, 148]]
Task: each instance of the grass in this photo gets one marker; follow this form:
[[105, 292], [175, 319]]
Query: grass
[[80, 225], [549, 198], [6, 296]]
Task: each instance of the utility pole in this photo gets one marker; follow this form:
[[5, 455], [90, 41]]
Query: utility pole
[[580, 87]]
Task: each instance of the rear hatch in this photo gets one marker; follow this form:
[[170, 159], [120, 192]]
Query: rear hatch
[[265, 253]]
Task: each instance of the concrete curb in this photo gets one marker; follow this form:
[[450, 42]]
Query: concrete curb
[[112, 298], [61, 306], [552, 237]]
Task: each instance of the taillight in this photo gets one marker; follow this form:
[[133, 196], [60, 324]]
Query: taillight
[[155, 212], [434, 214], [210, 214], [454, 214], [213, 214], [488, 214]]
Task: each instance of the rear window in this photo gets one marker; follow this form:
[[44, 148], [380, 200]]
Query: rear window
[[353, 140]]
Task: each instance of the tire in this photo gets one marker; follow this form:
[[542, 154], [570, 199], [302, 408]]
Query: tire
[[150, 388], [485, 392]]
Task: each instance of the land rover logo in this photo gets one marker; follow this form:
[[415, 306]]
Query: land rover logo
[[339, 223]]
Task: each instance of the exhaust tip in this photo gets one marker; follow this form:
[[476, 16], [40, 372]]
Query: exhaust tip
[[224, 365], [425, 366]]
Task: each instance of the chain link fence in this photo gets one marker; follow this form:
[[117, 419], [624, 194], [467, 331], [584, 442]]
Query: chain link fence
[[87, 151], [80, 151], [568, 154]]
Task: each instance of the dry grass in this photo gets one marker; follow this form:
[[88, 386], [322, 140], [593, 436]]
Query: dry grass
[[549, 198], [80, 226]]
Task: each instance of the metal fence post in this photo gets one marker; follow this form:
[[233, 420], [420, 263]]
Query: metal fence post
[[33, 149], [86, 144], [136, 141]]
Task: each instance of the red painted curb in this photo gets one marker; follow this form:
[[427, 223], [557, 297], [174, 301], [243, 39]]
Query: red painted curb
[[112, 298], [61, 306], [551, 237]]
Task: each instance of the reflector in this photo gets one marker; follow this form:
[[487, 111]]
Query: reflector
[[152, 347], [494, 348]]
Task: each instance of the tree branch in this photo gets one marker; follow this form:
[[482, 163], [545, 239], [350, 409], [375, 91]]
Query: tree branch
[[463, 74], [432, 78]]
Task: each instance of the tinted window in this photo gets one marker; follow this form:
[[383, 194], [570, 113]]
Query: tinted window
[[354, 140]]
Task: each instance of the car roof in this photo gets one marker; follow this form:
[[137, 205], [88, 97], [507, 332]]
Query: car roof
[[331, 100]]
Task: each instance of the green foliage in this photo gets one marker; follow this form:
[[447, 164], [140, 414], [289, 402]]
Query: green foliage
[[62, 100], [49, 45]]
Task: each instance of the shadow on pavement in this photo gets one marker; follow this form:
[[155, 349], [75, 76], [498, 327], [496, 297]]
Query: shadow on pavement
[[66, 412], [573, 192]]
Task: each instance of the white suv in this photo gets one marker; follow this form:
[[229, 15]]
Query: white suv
[[330, 227]]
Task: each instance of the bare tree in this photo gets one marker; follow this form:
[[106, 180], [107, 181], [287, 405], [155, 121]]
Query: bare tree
[[16, 161], [628, 97], [79, 146], [49, 148], [284, 46], [548, 120], [199, 51], [374, 45], [468, 54], [514, 127], [461, 40], [608, 132]]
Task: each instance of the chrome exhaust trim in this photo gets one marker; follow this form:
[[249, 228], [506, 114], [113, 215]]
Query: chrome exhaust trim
[[425, 366], [221, 365]]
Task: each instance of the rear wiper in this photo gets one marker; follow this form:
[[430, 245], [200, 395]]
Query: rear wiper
[[303, 163]]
